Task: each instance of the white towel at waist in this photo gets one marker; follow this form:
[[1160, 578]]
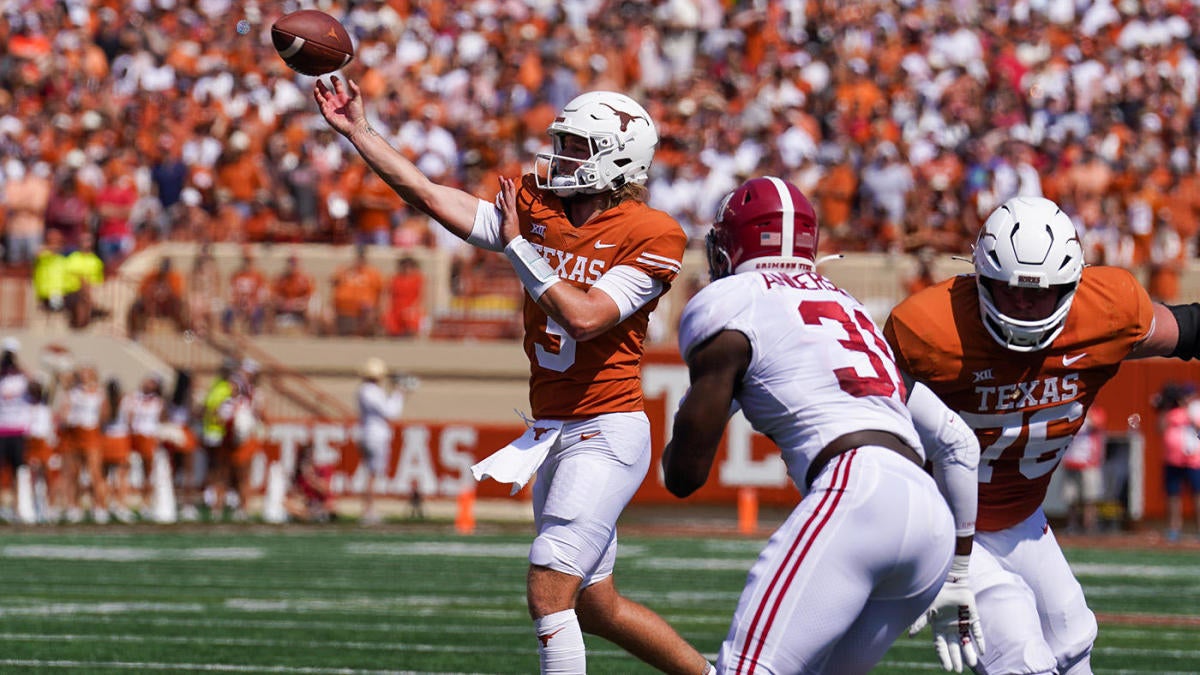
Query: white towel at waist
[[517, 462]]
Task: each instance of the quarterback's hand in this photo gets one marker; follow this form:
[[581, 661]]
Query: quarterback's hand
[[957, 634], [342, 106]]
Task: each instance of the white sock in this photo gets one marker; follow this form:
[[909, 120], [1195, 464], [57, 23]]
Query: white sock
[[560, 644]]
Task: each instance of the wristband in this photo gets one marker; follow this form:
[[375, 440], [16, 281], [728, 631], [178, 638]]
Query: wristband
[[960, 565], [535, 273], [1188, 318]]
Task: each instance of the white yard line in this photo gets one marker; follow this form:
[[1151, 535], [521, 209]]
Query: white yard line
[[204, 667], [259, 642]]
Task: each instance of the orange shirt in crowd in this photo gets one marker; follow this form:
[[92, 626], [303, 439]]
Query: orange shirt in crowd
[[292, 288], [355, 289], [247, 287], [405, 313], [374, 203]]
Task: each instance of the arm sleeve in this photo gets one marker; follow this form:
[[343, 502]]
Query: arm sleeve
[[485, 232], [629, 287], [953, 449]]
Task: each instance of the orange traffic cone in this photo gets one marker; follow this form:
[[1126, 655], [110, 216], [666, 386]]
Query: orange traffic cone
[[464, 521], [747, 501]]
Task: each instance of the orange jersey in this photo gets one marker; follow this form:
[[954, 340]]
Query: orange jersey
[[571, 379], [1024, 407]]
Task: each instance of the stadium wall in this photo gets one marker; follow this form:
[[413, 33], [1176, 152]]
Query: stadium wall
[[435, 456]]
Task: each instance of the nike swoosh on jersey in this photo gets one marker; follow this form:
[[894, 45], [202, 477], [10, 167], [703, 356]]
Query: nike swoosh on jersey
[[585, 437], [1068, 360], [598, 245]]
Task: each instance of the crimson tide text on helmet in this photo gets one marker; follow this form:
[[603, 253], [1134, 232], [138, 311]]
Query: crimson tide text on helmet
[[622, 138], [1028, 242], [765, 224]]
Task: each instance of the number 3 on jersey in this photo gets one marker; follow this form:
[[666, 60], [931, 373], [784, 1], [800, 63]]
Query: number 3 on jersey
[[861, 337], [560, 353]]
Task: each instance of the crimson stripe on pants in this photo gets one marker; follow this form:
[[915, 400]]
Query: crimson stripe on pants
[[835, 491]]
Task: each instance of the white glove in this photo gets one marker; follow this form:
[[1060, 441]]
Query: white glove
[[957, 634]]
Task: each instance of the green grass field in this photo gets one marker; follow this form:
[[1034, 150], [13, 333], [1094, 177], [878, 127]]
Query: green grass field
[[341, 599]]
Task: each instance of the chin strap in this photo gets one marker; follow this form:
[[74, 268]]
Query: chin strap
[[1188, 318]]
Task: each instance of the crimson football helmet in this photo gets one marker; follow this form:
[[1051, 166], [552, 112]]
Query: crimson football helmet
[[765, 224]]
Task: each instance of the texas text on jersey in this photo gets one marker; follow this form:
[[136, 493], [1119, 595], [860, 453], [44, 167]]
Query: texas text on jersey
[[602, 375], [1040, 397]]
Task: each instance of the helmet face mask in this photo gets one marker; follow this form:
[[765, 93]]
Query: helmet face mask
[[621, 140], [765, 224], [1027, 243]]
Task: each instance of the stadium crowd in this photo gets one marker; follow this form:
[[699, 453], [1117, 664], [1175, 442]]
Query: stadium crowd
[[906, 121]]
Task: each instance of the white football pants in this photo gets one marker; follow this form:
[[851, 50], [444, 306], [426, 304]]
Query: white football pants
[[1034, 616], [861, 557], [587, 479]]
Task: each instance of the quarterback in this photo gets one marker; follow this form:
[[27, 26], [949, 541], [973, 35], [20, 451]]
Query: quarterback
[[593, 258], [872, 544], [1020, 349]]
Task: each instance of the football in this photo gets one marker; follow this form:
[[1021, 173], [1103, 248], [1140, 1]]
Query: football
[[312, 42]]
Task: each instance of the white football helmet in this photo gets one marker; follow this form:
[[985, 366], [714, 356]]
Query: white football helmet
[[622, 138], [1027, 242]]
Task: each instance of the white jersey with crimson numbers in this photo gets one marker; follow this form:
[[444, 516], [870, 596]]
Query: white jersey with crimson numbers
[[819, 367]]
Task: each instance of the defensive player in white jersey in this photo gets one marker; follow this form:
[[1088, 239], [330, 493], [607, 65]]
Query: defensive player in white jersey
[[594, 259], [870, 544]]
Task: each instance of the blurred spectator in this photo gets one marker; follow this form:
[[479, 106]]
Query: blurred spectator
[[159, 295], [26, 196], [373, 206], [248, 294], [405, 312], [242, 414], [1167, 260], [83, 409], [41, 450], [203, 291], [215, 417], [50, 274], [145, 411], [924, 276], [357, 289], [15, 416], [116, 449], [67, 212], [1083, 472], [114, 206], [310, 497], [291, 296], [1179, 423], [85, 274], [170, 173], [378, 408], [180, 432], [239, 178]]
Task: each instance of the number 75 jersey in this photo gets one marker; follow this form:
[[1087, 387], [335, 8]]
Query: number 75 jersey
[[819, 366], [1025, 407]]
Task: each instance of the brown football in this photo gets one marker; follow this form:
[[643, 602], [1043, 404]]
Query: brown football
[[312, 42]]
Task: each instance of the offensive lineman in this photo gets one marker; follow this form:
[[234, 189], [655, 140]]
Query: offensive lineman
[[593, 258], [1020, 349], [872, 541]]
